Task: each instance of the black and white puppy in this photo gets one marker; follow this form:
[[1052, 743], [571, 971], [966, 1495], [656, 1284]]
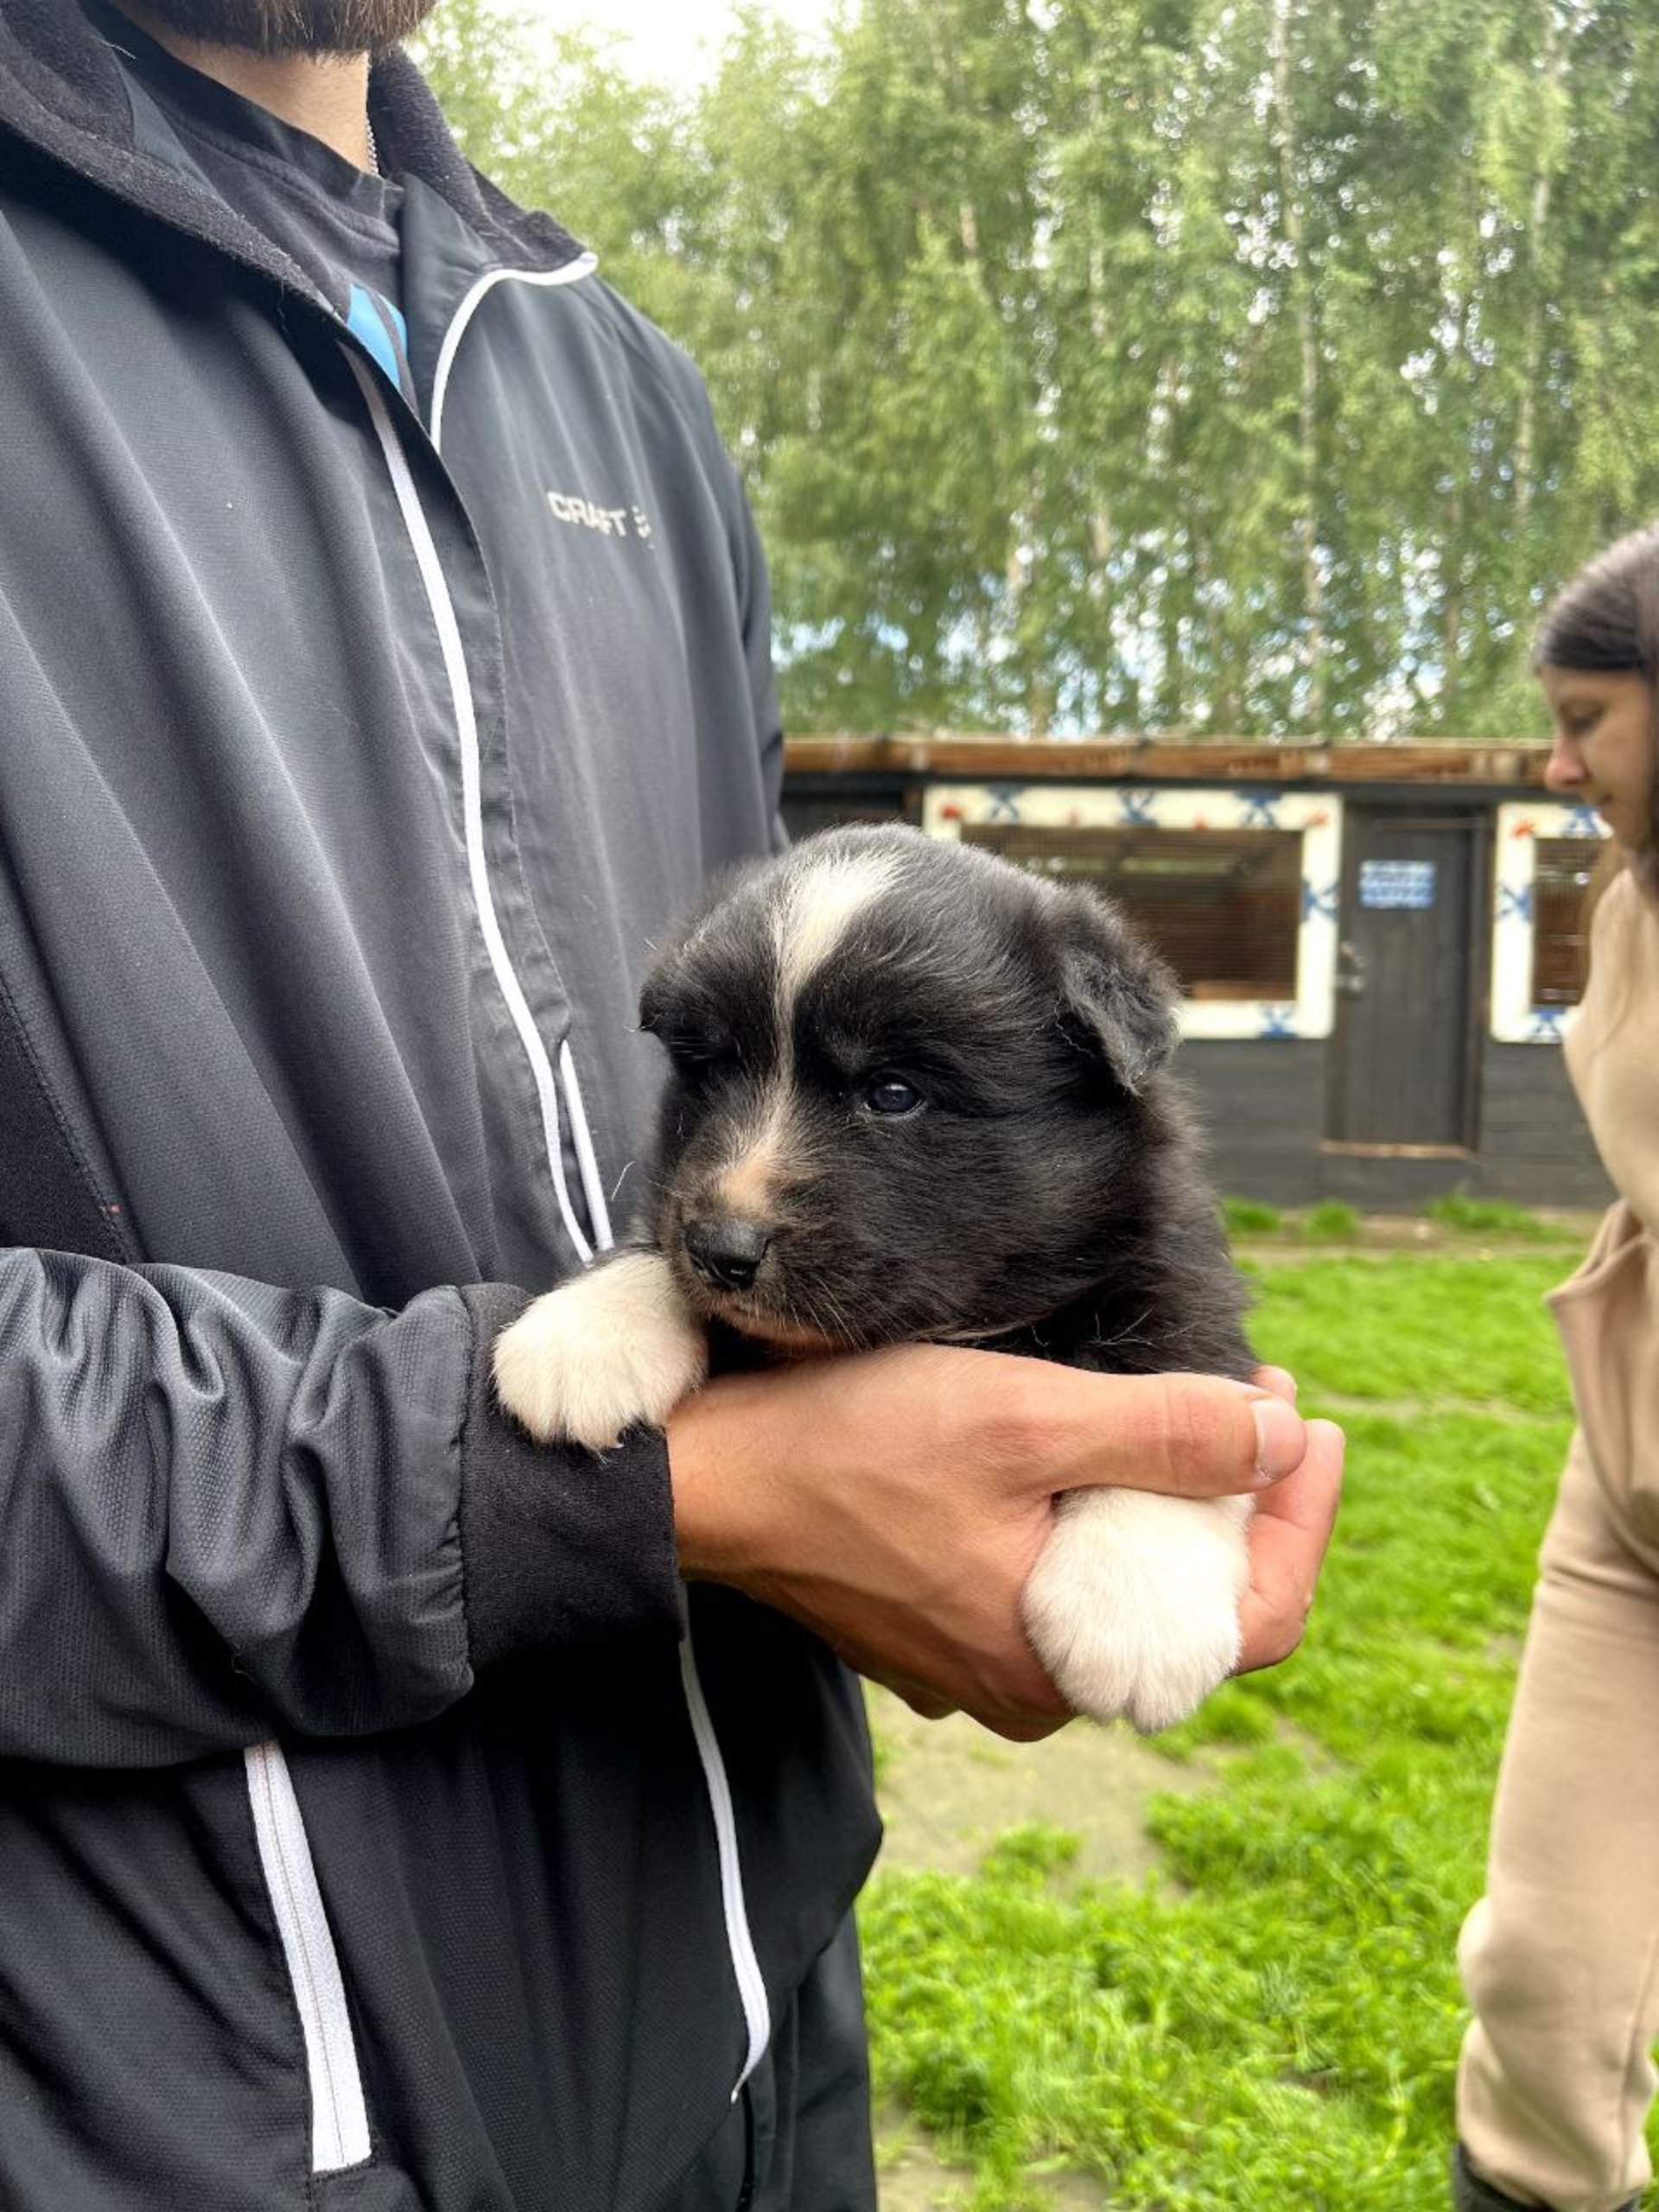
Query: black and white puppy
[[916, 1094]]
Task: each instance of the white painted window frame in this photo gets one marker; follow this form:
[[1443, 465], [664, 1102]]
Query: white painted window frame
[[948, 808], [1518, 827]]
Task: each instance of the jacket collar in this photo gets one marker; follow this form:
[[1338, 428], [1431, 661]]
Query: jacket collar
[[62, 94]]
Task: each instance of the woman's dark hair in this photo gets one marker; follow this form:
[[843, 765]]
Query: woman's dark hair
[[1606, 622]]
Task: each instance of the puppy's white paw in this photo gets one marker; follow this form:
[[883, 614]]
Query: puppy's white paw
[[612, 1347], [1132, 1607]]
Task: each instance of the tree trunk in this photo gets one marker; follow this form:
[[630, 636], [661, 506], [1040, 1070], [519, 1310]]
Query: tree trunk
[[1453, 551], [1526, 428], [1101, 533], [1301, 292]]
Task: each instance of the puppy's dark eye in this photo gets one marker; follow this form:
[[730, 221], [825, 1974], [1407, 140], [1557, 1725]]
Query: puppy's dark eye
[[696, 1059], [892, 1096]]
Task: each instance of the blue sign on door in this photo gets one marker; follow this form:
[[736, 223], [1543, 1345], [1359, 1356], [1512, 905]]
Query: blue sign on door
[[1393, 884]]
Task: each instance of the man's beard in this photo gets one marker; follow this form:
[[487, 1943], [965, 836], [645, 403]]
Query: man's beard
[[340, 26]]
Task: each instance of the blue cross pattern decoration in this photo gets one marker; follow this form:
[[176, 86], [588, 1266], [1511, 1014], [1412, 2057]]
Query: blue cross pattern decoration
[[1515, 902], [1137, 807], [1260, 809], [1548, 1025], [1582, 822], [1319, 905], [1005, 801], [1277, 1021]]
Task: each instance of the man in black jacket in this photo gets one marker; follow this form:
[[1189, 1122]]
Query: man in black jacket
[[383, 658]]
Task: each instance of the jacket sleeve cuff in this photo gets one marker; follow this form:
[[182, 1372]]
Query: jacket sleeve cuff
[[561, 1546]]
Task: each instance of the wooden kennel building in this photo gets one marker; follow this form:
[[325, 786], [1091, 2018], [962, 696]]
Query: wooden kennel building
[[1379, 944]]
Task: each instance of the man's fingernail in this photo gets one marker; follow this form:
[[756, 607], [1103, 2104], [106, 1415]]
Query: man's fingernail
[[1281, 1439]]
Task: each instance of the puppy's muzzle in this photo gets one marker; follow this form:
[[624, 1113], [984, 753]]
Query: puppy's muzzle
[[727, 1253]]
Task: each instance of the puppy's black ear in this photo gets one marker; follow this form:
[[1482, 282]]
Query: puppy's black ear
[[653, 998], [1118, 1000], [665, 976]]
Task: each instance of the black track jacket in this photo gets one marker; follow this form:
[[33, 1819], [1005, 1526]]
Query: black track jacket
[[370, 1837]]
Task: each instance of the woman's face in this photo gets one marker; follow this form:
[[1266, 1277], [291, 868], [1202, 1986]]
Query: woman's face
[[1603, 755]]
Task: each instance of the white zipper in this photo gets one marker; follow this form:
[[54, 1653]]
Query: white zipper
[[582, 1136], [746, 1966], [460, 691], [740, 1939], [339, 2119], [750, 1984]]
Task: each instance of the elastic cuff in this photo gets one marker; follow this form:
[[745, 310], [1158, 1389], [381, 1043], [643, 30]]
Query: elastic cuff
[[561, 1546]]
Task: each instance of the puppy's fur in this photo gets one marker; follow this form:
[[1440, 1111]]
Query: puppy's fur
[[917, 1094]]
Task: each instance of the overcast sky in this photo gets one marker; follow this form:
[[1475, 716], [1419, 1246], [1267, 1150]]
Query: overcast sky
[[670, 40]]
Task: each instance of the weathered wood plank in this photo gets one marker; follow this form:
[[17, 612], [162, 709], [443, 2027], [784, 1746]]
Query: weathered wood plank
[[1516, 762]]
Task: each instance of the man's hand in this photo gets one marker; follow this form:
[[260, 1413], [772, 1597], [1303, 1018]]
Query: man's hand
[[895, 1502], [1289, 1538]]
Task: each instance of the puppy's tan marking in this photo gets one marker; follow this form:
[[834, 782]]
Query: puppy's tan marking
[[747, 1188], [809, 923]]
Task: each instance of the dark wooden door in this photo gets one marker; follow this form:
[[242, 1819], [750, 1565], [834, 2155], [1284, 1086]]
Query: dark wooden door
[[1403, 1051]]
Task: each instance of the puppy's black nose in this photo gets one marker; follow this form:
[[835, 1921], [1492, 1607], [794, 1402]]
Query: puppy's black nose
[[728, 1253]]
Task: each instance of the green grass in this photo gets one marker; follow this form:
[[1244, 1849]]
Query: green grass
[[1330, 1221], [1272, 2026], [1250, 1217], [1487, 1218], [1417, 1333]]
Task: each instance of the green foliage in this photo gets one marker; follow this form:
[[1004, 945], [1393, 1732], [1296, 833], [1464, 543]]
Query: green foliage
[[1331, 1222], [1030, 1855], [1250, 1217], [1486, 1216], [1217, 364], [1276, 2023]]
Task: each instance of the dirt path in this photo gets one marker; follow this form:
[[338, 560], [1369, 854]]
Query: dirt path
[[1381, 1236], [949, 1789]]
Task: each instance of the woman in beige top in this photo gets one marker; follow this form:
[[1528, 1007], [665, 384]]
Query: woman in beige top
[[1561, 1958]]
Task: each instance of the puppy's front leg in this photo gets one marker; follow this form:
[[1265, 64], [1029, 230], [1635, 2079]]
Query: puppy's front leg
[[1132, 1607], [610, 1347]]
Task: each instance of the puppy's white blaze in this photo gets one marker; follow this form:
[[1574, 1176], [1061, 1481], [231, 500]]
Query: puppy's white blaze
[[822, 901], [1132, 1607], [807, 926], [615, 1346]]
